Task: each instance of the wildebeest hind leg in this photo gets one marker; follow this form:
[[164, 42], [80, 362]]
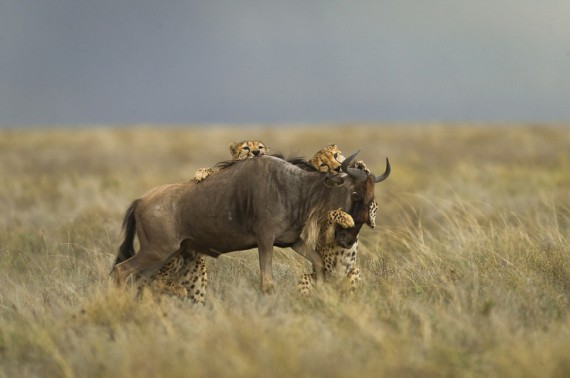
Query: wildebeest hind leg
[[141, 261]]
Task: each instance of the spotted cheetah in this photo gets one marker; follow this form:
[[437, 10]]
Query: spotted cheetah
[[338, 261], [239, 151], [328, 159], [184, 276]]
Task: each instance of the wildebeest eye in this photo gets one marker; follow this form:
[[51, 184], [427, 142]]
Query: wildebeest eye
[[356, 196], [246, 148]]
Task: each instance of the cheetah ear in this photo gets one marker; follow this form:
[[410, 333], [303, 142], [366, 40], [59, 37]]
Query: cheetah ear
[[233, 147]]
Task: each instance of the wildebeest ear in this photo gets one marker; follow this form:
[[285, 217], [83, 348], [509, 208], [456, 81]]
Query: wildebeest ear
[[333, 181]]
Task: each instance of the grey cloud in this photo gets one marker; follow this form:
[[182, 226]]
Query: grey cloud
[[122, 61]]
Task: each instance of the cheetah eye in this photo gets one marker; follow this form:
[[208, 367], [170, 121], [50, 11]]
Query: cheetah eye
[[335, 155], [261, 147], [323, 164], [246, 148]]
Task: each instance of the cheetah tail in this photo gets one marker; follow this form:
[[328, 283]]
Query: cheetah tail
[[127, 250]]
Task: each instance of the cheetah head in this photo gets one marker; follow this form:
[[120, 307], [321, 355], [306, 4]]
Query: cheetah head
[[248, 149], [328, 159]]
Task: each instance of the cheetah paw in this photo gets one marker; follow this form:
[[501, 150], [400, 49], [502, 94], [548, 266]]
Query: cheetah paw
[[202, 173]]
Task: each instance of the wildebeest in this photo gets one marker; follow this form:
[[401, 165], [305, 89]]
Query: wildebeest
[[262, 202]]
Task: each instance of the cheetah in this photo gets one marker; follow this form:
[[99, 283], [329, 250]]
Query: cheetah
[[338, 261], [186, 276], [239, 151], [328, 159], [333, 255]]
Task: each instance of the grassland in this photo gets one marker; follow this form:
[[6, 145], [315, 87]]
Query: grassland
[[466, 275]]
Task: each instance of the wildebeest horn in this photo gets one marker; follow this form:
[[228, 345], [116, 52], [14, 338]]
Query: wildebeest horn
[[346, 162], [358, 174], [384, 175]]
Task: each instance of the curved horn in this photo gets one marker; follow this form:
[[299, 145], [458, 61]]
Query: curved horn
[[358, 174], [346, 162], [384, 175]]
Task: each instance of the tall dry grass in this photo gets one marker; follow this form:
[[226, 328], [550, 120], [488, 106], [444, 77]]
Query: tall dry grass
[[467, 273]]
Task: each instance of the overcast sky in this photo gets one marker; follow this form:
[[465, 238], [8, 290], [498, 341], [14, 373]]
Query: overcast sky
[[230, 61]]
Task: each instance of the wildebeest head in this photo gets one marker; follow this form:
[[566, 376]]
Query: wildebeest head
[[362, 201]]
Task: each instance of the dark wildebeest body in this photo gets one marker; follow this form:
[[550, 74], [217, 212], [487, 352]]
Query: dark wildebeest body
[[258, 202]]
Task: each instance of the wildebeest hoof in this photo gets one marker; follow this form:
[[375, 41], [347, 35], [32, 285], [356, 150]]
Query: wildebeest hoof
[[268, 289]]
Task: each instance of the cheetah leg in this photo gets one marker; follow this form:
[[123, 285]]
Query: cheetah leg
[[372, 211], [352, 272], [360, 165], [202, 173], [305, 285], [353, 277], [314, 258], [339, 217], [194, 277]]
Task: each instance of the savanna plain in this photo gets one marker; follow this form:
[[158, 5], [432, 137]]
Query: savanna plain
[[467, 273]]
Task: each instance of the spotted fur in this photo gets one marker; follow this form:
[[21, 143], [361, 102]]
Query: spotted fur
[[338, 261], [248, 149], [328, 159], [185, 277]]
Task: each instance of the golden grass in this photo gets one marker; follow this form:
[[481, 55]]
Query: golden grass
[[467, 273]]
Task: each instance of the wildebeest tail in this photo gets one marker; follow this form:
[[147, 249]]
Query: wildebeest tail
[[127, 250]]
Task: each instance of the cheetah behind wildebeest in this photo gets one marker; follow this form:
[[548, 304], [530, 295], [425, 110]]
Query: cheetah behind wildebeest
[[339, 262]]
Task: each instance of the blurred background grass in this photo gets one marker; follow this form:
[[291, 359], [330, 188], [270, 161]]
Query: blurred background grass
[[466, 274]]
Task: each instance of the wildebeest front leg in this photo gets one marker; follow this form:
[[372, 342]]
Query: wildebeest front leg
[[265, 248], [313, 256]]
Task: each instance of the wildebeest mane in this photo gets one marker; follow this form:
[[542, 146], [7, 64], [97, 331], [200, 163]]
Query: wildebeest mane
[[298, 161], [317, 216], [226, 163]]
